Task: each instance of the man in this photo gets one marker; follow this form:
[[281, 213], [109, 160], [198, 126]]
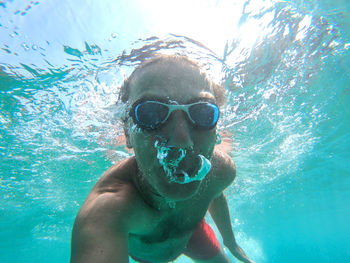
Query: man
[[151, 206]]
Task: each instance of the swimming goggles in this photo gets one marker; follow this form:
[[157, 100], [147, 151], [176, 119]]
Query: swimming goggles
[[151, 114]]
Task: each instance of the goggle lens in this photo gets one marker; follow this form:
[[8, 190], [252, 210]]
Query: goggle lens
[[204, 114], [151, 114]]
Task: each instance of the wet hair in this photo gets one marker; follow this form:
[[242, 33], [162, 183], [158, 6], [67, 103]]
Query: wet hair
[[218, 90]]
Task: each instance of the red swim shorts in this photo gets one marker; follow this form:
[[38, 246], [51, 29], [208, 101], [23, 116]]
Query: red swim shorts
[[203, 244]]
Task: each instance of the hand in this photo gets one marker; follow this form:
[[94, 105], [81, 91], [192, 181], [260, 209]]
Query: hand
[[238, 252]]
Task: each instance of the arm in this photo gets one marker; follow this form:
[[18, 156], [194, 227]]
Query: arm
[[99, 235], [220, 213]]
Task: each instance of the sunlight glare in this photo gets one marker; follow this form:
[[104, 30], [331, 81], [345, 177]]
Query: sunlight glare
[[210, 22]]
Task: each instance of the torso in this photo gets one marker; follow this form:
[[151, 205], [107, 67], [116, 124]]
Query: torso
[[167, 237], [164, 233]]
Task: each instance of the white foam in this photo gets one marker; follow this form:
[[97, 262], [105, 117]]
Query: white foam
[[170, 166]]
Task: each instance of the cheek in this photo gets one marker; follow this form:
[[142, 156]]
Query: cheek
[[145, 151], [142, 143], [205, 142]]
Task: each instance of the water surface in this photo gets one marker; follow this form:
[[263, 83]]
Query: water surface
[[284, 64]]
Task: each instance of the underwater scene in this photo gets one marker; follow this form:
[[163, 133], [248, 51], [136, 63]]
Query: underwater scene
[[285, 67]]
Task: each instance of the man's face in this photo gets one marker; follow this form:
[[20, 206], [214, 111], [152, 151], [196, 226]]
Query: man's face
[[174, 84]]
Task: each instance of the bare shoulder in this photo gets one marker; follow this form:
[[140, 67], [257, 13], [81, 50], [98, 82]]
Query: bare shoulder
[[112, 210], [223, 169], [114, 202]]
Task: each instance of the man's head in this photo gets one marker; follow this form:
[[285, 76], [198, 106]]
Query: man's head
[[180, 61], [185, 133]]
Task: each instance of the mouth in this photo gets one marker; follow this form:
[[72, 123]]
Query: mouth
[[180, 165], [189, 165], [198, 173]]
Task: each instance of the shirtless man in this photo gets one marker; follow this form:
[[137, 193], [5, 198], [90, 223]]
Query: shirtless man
[[151, 206]]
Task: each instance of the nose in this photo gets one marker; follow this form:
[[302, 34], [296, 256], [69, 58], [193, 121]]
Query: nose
[[180, 130]]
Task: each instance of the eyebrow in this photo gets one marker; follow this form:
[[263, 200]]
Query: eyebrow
[[169, 100], [204, 96], [154, 98], [201, 99]]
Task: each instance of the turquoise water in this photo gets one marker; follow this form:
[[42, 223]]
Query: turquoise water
[[285, 65]]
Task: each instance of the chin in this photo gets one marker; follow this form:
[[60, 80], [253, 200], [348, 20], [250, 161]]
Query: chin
[[178, 192]]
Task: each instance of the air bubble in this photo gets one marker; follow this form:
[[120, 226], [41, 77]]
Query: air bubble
[[170, 157], [25, 46]]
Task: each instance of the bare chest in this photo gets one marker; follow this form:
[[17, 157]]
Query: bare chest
[[175, 222], [168, 236]]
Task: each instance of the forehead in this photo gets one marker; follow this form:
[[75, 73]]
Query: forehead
[[170, 81]]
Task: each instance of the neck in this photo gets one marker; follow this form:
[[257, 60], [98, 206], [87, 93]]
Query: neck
[[150, 195]]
